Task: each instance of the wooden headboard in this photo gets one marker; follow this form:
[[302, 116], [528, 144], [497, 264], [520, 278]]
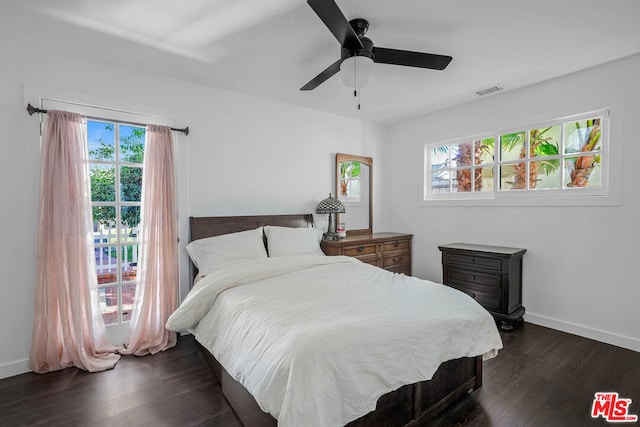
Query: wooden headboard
[[209, 226]]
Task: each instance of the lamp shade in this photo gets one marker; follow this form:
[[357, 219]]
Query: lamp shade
[[356, 71], [330, 205]]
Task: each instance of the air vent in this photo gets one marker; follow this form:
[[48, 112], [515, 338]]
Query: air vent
[[488, 90]]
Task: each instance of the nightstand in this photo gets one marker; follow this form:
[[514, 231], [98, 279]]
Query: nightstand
[[492, 275], [391, 251]]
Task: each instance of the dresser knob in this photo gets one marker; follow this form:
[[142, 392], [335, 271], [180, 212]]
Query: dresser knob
[[360, 248], [397, 260], [396, 243], [473, 277]]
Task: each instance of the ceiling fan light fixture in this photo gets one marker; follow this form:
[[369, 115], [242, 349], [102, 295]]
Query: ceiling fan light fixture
[[356, 71]]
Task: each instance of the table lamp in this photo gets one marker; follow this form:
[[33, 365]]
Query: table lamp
[[330, 206]]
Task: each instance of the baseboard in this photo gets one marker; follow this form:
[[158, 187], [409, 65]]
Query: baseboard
[[584, 331], [21, 366], [14, 368]]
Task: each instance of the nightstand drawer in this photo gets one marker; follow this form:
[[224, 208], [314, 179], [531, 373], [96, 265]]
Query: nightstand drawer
[[474, 261], [359, 250], [491, 301], [396, 245], [480, 281]]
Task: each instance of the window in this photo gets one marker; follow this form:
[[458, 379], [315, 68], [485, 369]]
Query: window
[[465, 167], [562, 157], [116, 152]]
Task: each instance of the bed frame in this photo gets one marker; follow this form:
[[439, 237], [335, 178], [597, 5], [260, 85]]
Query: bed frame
[[409, 406]]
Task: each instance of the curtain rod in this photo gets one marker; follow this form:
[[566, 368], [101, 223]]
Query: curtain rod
[[32, 110]]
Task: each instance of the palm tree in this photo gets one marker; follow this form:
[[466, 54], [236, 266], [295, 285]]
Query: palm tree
[[539, 146], [584, 165], [471, 153]]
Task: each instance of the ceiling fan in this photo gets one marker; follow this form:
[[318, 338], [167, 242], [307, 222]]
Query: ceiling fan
[[359, 50]]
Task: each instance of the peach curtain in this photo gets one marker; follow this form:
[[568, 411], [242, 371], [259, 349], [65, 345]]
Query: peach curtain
[[68, 329], [157, 287]]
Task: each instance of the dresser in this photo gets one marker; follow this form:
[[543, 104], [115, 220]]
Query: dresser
[[492, 275], [391, 251]]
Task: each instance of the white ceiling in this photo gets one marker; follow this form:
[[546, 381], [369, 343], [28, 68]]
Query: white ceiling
[[270, 48]]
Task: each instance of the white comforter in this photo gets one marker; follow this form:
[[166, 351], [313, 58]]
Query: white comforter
[[317, 340]]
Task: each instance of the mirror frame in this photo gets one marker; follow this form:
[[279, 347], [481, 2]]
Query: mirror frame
[[340, 157]]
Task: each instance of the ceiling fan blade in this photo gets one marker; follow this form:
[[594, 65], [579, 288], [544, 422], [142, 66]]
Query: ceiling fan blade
[[331, 15], [323, 76], [411, 59]]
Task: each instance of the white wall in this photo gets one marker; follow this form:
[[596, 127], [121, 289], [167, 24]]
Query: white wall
[[244, 155], [580, 269], [248, 155]]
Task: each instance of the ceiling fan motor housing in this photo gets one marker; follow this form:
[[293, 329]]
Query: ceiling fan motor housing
[[360, 26], [367, 49]]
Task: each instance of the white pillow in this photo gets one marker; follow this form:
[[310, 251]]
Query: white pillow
[[284, 241], [212, 253]]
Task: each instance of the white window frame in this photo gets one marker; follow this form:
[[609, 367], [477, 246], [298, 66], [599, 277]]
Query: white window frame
[[518, 196], [118, 204]]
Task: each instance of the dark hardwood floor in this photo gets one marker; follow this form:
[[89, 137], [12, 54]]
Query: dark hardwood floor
[[544, 377], [541, 378]]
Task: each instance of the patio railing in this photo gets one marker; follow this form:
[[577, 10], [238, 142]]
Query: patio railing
[[106, 252]]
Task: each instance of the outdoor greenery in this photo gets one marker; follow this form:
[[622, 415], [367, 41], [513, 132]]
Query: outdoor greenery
[[103, 178], [349, 172], [583, 166], [540, 145], [472, 153]]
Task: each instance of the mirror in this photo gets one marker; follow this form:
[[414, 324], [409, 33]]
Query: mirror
[[354, 179]]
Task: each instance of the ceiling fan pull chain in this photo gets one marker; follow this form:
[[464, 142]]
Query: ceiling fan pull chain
[[355, 79], [356, 92]]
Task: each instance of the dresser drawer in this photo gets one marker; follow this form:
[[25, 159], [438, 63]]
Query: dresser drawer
[[360, 250], [474, 261], [391, 251], [396, 245], [485, 282], [397, 259], [368, 259]]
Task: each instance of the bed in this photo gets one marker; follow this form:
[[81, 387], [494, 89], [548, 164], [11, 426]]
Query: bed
[[408, 404]]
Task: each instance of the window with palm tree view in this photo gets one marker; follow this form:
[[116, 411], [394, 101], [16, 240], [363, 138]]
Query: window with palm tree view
[[116, 152], [553, 158]]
